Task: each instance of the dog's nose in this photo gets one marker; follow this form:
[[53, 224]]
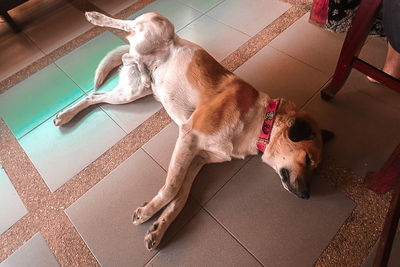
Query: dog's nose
[[305, 195]]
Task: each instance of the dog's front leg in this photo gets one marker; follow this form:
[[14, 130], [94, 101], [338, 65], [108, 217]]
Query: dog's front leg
[[157, 230], [184, 152]]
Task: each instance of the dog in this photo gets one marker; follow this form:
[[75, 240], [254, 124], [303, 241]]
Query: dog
[[219, 115]]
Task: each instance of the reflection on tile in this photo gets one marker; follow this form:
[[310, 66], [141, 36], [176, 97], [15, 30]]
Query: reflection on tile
[[57, 28], [81, 63], [179, 14], [59, 153], [311, 44], [113, 7], [11, 207], [365, 131], [103, 216], [267, 220], [211, 177], [202, 6], [280, 75], [218, 39], [249, 16], [34, 100], [17, 52], [34, 253], [394, 259], [203, 242]]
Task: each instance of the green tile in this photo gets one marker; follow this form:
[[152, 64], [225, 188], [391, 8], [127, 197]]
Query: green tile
[[81, 63], [34, 100]]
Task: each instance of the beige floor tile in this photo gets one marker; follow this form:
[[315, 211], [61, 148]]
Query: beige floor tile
[[103, 216], [276, 226], [311, 44], [17, 52], [203, 242], [248, 16], [218, 39], [34, 253], [57, 28], [113, 7], [366, 129], [280, 75]]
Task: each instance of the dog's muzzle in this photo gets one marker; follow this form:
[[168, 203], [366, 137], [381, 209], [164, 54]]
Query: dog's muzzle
[[300, 188]]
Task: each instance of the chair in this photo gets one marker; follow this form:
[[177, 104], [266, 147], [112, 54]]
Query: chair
[[6, 5], [352, 45]]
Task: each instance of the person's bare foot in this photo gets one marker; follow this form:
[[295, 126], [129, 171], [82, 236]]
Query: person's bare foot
[[392, 64]]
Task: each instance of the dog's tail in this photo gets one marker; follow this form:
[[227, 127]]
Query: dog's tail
[[112, 60]]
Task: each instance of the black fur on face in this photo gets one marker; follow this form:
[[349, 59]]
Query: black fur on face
[[300, 131]]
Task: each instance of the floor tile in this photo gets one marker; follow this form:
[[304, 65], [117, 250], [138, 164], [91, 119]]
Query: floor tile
[[113, 7], [34, 253], [274, 225], [366, 132], [203, 242], [203, 5], [211, 177], [103, 216], [179, 14], [17, 52], [374, 52], [394, 259], [131, 115], [34, 100], [248, 16], [81, 63], [218, 39], [280, 75], [59, 153], [311, 44], [57, 28], [11, 207]]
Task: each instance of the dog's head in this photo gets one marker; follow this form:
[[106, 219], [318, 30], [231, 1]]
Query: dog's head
[[295, 148], [145, 33]]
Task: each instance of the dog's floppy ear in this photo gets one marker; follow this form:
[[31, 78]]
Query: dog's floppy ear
[[300, 130], [327, 136]]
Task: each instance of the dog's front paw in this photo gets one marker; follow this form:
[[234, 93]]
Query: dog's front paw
[[95, 17], [151, 239], [128, 59], [138, 216]]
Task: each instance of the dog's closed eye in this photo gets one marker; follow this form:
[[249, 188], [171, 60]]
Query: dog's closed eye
[[308, 160]]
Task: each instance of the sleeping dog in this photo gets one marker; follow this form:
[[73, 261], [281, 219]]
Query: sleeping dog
[[220, 116]]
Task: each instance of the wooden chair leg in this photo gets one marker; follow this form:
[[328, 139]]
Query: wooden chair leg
[[10, 22], [355, 39]]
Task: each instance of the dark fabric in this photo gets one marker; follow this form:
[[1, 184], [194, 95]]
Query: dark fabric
[[341, 13], [391, 22]]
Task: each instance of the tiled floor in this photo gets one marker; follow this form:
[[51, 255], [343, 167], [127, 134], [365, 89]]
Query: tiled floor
[[238, 214]]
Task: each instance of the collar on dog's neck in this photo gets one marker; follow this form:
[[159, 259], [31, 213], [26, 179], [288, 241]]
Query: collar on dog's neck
[[266, 128]]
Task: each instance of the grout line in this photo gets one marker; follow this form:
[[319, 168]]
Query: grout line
[[231, 234], [152, 157], [241, 167]]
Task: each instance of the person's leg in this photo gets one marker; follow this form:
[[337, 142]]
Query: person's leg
[[391, 25]]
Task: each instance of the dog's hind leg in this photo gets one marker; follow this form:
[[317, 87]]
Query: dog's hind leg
[[184, 152], [159, 227], [120, 95]]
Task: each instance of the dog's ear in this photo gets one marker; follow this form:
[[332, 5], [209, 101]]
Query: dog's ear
[[327, 136], [300, 130]]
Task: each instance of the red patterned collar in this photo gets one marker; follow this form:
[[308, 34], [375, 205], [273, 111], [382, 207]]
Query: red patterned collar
[[266, 128]]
